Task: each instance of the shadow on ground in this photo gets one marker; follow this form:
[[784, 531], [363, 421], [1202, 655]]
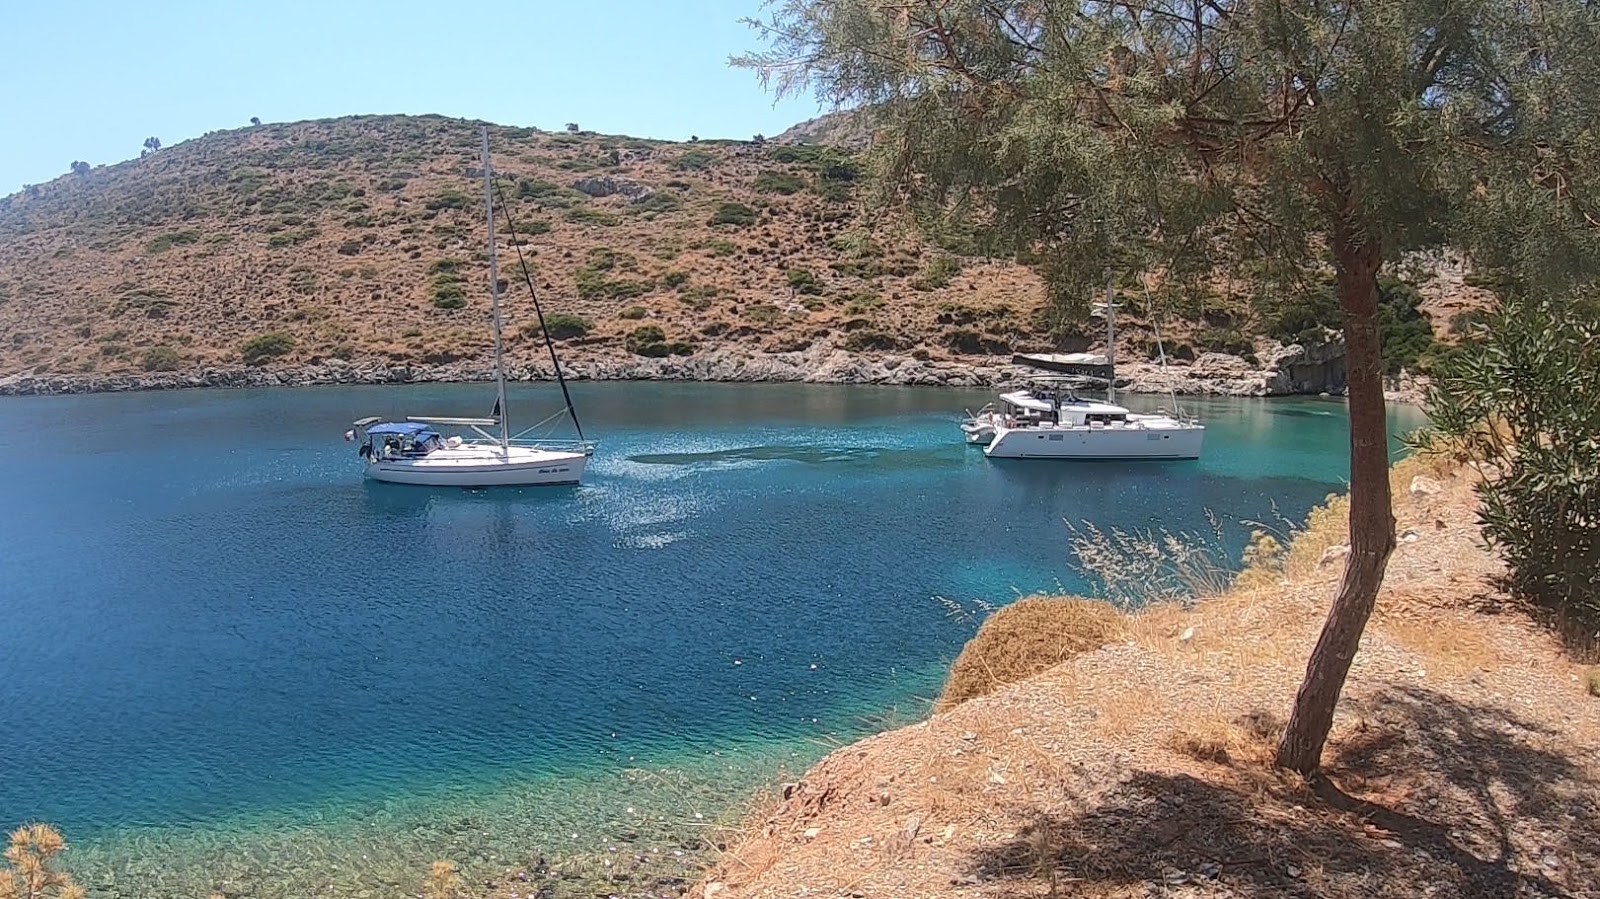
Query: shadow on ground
[[1426, 797]]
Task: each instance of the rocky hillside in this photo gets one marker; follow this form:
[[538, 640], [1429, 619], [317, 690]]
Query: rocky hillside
[[362, 239]]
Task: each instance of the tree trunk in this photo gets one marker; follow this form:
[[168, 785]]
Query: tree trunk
[[1357, 259]]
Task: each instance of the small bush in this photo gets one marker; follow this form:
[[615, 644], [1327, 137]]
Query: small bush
[[31, 868], [762, 313], [588, 215], [721, 248], [675, 279], [938, 274], [805, 281], [659, 201], [694, 161], [561, 326], [1591, 682], [172, 239], [633, 313], [449, 199], [1225, 340], [161, 358], [778, 183], [445, 267], [448, 293], [734, 214], [645, 340], [292, 238], [267, 346]]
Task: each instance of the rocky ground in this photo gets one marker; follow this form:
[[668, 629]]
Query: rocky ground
[[1212, 374], [1465, 759]]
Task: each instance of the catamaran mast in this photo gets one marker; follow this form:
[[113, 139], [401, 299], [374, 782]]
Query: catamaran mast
[[1111, 336], [494, 293]]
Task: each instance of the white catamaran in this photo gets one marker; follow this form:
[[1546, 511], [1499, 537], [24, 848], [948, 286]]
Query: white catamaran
[[1050, 421], [414, 452]]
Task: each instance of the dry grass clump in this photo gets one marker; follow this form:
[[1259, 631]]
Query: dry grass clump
[[1591, 682], [1025, 638], [443, 881], [1250, 739], [30, 871]]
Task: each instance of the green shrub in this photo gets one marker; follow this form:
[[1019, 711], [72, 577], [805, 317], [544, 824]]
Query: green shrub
[[1225, 340], [633, 313], [645, 340], [161, 358], [778, 183], [721, 248], [561, 326], [445, 267], [762, 313], [593, 285], [448, 292], [1525, 398], [675, 279], [262, 347], [832, 191], [449, 199], [734, 214], [1406, 330], [694, 161], [172, 239], [938, 274], [660, 201], [588, 215], [292, 238], [805, 281]]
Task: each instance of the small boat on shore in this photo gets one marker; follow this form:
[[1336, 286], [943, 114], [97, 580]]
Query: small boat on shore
[[414, 451]]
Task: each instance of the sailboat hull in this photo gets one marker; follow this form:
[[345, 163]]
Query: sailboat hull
[[483, 466]]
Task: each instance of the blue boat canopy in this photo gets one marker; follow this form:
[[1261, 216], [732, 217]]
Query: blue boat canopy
[[414, 430]]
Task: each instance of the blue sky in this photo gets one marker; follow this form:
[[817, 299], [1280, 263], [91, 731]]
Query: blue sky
[[91, 79]]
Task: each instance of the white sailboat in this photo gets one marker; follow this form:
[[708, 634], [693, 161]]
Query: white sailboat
[[414, 451], [1050, 421]]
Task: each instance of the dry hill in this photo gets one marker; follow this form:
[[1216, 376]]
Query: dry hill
[[362, 239]]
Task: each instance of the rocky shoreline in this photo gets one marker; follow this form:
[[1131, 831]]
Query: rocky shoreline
[[1287, 371]]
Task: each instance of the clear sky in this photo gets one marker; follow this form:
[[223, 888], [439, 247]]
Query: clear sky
[[91, 79]]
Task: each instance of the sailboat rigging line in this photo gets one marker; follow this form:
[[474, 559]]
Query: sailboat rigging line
[[1155, 322], [516, 244]]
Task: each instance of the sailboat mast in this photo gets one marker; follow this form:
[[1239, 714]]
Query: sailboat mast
[[1111, 335], [494, 293]]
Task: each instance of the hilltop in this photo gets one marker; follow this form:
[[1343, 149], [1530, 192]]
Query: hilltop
[[359, 242]]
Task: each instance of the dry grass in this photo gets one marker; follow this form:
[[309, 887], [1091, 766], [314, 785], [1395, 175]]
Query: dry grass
[[1024, 639]]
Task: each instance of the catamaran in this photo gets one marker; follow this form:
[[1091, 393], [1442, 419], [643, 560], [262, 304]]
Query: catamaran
[[1050, 421], [414, 451]]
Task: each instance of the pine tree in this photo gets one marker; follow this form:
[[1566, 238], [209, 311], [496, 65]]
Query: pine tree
[[1197, 136]]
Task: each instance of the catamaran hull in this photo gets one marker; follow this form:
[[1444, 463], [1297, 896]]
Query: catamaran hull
[[565, 471], [1096, 443]]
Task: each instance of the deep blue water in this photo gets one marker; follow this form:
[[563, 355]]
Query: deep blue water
[[206, 612]]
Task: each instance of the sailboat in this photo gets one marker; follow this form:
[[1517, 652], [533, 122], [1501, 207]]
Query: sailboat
[[416, 451], [1050, 421]]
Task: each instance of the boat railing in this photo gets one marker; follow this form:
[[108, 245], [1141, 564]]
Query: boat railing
[[555, 445]]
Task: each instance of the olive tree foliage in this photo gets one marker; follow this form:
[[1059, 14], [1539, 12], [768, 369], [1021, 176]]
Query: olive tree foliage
[[1187, 136]]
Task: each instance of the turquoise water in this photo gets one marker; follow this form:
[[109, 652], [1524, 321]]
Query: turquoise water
[[222, 647]]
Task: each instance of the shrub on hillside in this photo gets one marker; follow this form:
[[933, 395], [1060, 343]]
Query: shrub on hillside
[[262, 347], [1525, 398], [586, 215], [172, 239], [695, 161], [633, 313], [938, 274], [805, 281], [560, 326], [161, 358], [734, 214], [779, 183]]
